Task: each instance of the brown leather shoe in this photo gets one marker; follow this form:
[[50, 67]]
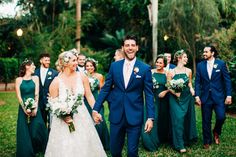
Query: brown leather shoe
[[206, 146], [216, 138]]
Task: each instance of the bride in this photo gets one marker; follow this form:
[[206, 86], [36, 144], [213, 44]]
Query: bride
[[82, 140]]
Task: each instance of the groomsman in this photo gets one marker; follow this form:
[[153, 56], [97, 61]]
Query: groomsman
[[81, 62], [213, 90], [125, 84], [46, 75], [169, 65]]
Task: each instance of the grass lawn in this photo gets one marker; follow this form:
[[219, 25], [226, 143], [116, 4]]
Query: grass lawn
[[8, 118]]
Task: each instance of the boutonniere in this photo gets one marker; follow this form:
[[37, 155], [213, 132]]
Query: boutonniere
[[49, 73], [215, 66], [136, 70]]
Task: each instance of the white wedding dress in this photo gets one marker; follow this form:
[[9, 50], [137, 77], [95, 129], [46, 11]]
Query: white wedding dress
[[84, 141]]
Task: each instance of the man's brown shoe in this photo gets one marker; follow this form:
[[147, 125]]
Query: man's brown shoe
[[206, 146], [216, 138]]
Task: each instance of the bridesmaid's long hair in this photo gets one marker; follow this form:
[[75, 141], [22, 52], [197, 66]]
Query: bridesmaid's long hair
[[23, 65]]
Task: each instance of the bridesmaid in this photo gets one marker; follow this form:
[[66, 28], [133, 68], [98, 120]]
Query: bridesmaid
[[96, 81], [31, 135], [160, 130], [182, 110]]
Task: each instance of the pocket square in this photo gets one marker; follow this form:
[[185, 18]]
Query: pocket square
[[218, 70], [49, 78], [138, 76]]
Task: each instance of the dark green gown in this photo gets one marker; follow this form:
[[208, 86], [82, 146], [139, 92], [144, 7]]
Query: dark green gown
[[183, 117], [160, 130], [102, 127], [32, 137]]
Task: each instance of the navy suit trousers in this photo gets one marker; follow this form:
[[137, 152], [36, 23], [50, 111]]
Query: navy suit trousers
[[207, 109], [117, 138]]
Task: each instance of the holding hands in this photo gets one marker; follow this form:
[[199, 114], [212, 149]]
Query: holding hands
[[97, 117]]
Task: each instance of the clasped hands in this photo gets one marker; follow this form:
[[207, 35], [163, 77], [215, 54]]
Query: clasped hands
[[96, 117]]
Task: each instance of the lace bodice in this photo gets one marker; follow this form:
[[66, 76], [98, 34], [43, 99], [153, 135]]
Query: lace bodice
[[64, 91]]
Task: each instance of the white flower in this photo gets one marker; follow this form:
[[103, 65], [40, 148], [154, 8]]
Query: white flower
[[136, 70], [215, 66], [49, 73]]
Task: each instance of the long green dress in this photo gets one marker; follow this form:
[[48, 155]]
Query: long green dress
[[183, 119], [31, 137], [160, 130], [102, 127]]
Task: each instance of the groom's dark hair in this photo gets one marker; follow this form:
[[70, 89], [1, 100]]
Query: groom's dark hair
[[130, 37], [213, 49]]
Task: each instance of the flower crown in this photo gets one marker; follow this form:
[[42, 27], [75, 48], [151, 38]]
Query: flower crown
[[91, 59], [66, 57]]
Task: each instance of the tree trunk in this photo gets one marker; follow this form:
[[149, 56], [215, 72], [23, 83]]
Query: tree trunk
[[78, 19], [154, 30], [5, 86]]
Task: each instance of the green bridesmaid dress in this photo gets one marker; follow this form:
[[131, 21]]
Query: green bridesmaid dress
[[183, 119], [31, 137], [160, 131], [102, 127]]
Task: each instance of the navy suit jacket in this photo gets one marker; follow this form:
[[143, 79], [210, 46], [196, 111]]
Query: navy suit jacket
[[128, 101], [219, 85], [44, 89], [172, 66]]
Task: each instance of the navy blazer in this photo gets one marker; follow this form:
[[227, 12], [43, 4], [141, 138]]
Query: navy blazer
[[172, 66], [128, 101], [219, 85], [44, 89]]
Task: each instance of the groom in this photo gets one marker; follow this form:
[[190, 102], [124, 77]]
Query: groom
[[126, 82], [213, 90]]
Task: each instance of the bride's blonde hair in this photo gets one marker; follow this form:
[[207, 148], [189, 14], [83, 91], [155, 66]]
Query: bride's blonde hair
[[64, 58]]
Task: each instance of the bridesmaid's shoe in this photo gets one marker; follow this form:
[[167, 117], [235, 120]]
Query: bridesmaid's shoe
[[183, 150]]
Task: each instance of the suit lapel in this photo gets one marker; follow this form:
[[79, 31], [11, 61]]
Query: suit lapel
[[214, 68], [121, 65], [205, 72], [46, 78], [132, 73]]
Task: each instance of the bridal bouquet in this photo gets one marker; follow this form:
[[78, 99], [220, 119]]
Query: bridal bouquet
[[155, 83], [66, 108], [29, 106], [176, 85]]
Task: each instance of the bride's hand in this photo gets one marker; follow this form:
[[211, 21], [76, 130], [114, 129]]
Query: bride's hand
[[68, 119]]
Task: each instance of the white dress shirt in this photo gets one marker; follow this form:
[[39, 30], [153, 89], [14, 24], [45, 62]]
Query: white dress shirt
[[127, 70], [210, 65], [43, 74]]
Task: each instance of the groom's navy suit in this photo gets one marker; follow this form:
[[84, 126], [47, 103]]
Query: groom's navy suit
[[127, 104], [44, 90], [212, 92]]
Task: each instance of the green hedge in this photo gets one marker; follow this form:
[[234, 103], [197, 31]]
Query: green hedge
[[8, 70]]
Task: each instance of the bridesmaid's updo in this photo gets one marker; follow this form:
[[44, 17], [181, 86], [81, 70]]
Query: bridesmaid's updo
[[163, 57], [26, 62], [178, 54]]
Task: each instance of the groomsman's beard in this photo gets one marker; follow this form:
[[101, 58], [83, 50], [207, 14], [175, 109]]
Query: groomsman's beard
[[45, 65]]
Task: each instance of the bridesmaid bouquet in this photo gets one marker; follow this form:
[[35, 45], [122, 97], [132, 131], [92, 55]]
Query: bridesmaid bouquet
[[65, 109], [176, 85], [29, 106], [155, 83], [94, 83]]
